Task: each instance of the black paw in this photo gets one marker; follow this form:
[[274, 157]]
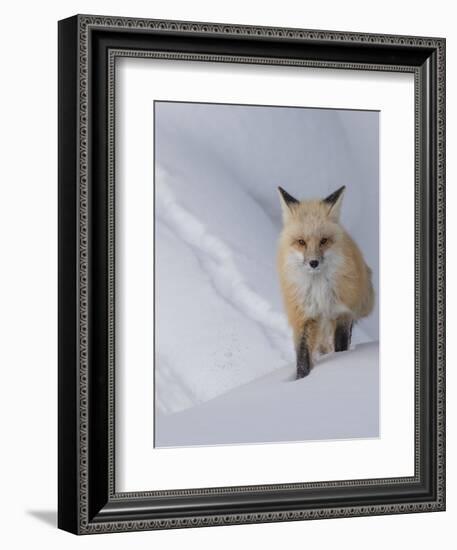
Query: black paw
[[343, 337], [301, 373], [341, 346]]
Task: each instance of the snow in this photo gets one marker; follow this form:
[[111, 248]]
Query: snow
[[220, 322], [339, 399]]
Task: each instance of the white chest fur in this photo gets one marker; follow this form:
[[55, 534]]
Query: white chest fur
[[315, 291]]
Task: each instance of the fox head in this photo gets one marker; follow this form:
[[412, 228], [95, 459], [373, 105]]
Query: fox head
[[311, 233]]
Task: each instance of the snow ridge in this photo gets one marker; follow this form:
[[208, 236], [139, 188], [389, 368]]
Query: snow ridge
[[182, 397], [338, 400], [217, 260]]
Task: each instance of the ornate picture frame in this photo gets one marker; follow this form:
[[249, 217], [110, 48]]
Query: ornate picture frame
[[88, 500]]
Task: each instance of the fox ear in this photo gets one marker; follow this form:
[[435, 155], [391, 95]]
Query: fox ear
[[287, 203], [334, 202]]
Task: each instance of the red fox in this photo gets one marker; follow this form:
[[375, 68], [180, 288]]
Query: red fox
[[325, 281]]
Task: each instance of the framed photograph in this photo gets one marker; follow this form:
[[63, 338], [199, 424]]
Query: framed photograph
[[251, 274]]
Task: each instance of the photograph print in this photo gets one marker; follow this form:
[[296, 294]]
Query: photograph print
[[266, 283]]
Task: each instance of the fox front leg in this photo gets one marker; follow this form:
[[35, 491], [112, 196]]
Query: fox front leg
[[343, 334], [305, 348]]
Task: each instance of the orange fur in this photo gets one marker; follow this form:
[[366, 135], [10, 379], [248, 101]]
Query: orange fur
[[339, 291]]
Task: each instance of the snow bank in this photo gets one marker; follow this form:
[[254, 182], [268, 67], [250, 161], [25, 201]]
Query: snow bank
[[338, 400], [219, 264]]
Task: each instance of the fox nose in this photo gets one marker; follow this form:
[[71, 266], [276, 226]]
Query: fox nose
[[314, 263]]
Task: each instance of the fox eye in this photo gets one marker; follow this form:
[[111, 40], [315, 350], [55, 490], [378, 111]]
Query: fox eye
[[323, 241], [301, 242]]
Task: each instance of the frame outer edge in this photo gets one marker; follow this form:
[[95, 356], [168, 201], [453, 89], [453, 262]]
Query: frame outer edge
[[68, 451], [441, 273]]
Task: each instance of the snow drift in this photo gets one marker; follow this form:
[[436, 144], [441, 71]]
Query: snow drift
[[338, 400]]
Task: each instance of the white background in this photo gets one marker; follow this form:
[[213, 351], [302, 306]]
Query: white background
[[29, 273], [139, 466]]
